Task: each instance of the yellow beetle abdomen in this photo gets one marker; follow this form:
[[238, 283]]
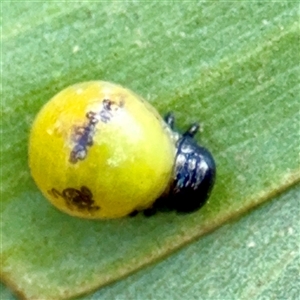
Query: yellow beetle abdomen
[[97, 150]]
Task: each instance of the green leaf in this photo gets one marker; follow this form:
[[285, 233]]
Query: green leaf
[[232, 66], [5, 293], [255, 258]]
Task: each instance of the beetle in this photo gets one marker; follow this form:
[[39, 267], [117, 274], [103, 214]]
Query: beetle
[[99, 151], [193, 176]]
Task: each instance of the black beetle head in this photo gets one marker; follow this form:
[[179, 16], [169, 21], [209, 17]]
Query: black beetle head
[[194, 176]]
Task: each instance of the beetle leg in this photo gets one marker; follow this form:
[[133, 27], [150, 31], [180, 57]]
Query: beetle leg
[[170, 119], [149, 211], [133, 213], [194, 128]]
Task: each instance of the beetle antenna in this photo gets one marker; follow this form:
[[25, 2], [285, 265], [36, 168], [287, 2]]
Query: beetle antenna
[[170, 119], [192, 130]]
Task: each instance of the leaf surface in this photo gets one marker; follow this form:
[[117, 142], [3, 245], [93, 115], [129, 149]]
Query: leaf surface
[[232, 66], [256, 257]]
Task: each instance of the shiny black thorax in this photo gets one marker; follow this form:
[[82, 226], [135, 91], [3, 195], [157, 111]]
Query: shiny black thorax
[[193, 174]]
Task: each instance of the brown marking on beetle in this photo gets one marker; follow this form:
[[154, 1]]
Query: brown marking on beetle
[[81, 200], [83, 135]]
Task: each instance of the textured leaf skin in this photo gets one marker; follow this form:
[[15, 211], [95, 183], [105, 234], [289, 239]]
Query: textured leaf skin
[[257, 257], [232, 66]]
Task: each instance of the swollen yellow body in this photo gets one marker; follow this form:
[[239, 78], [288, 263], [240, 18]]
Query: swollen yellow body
[[97, 150]]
